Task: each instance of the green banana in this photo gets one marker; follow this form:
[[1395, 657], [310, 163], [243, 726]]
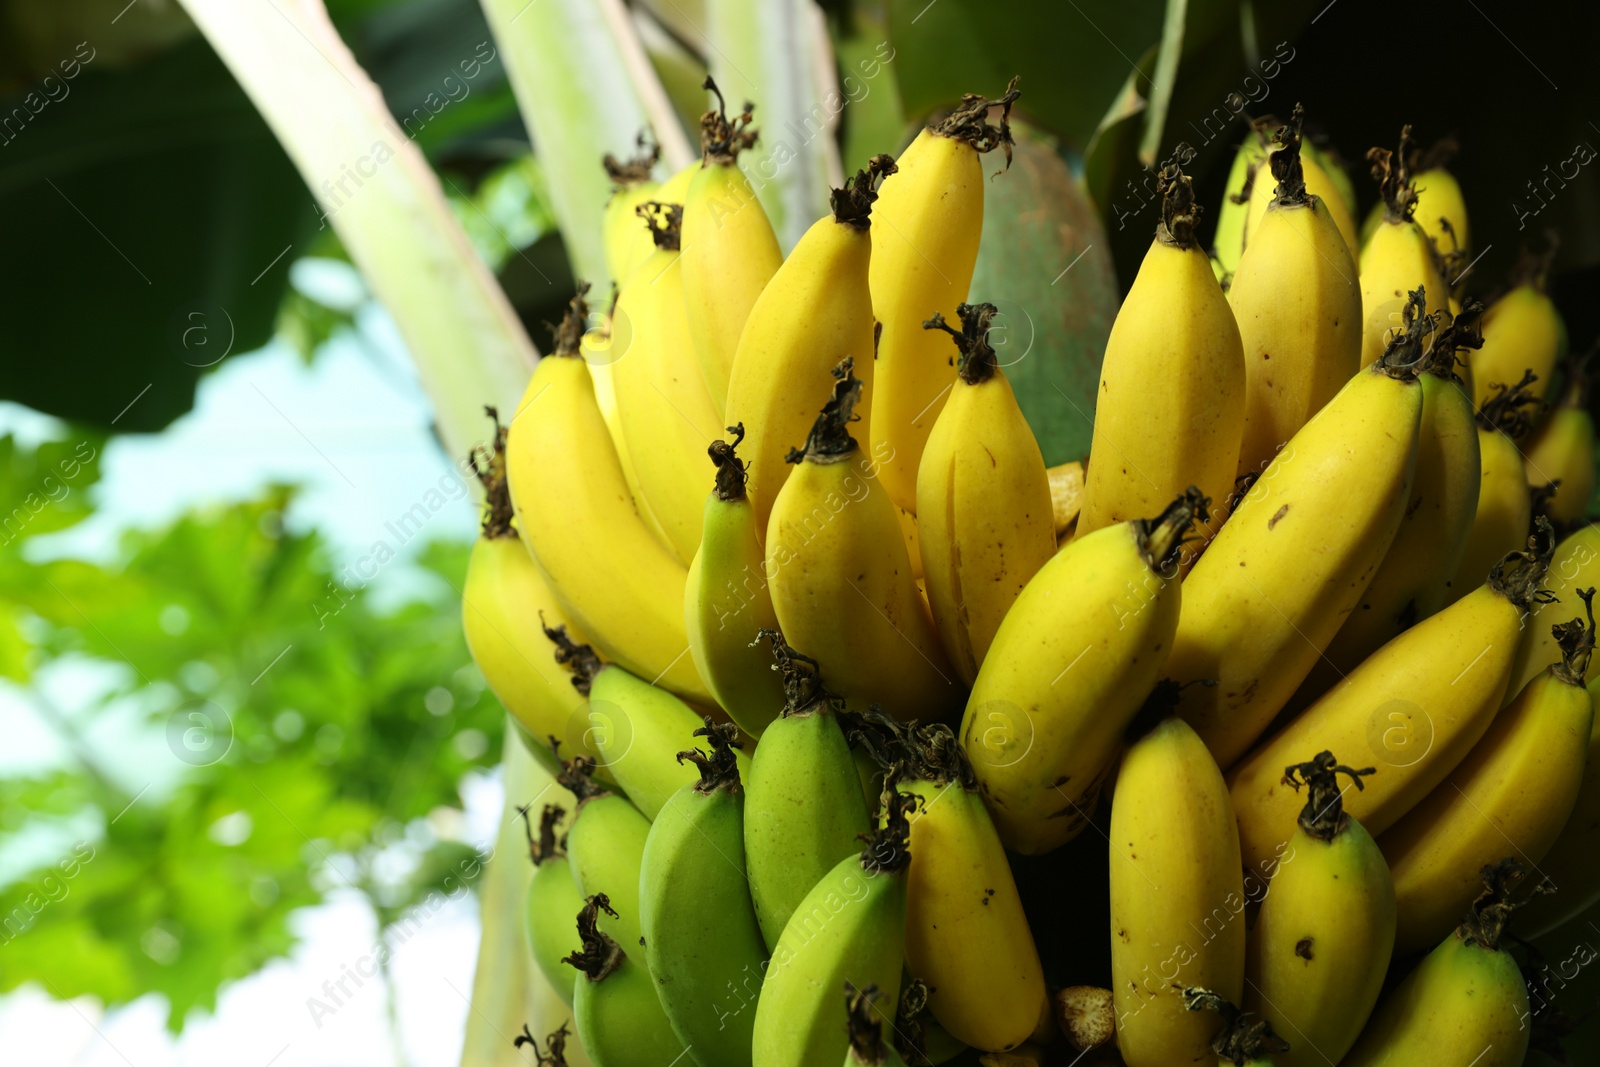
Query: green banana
[[620, 1019], [638, 728], [700, 931], [605, 847], [850, 927], [553, 899], [726, 600], [804, 809]]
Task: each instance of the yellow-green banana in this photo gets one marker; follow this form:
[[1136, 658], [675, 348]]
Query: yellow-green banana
[[1465, 1003], [804, 810], [924, 249], [864, 1023], [1398, 258], [816, 311], [1417, 706], [1177, 893], [1170, 410], [626, 244], [1570, 864], [605, 846], [1518, 784], [667, 414], [620, 1019], [1561, 453], [503, 602], [1293, 560], [984, 520], [1413, 582], [1074, 659], [576, 515], [1298, 308], [849, 928], [1522, 332], [702, 941], [1505, 503], [840, 575], [553, 899], [638, 728], [729, 249], [966, 935], [726, 602], [1322, 940], [1575, 564]]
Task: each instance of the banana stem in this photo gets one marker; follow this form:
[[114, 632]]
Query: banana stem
[[732, 474], [497, 510], [1512, 407], [555, 1046], [1517, 576], [803, 691], [852, 205], [719, 769], [600, 955], [866, 1033], [582, 660], [1460, 332], [626, 173], [1406, 353], [970, 122], [721, 140], [665, 222], [977, 362], [1323, 816], [1576, 640], [888, 849], [1243, 1038], [1180, 214], [911, 752], [548, 846], [1160, 537], [1486, 923], [911, 1024], [577, 777], [830, 440], [1392, 171], [1285, 162]]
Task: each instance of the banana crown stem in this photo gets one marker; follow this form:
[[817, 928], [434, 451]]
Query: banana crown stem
[[830, 440], [1457, 333], [1407, 352], [548, 846], [555, 1046], [577, 777], [625, 173], [721, 139], [1323, 816], [866, 1033], [1243, 1037], [720, 768], [909, 751], [1180, 212], [1161, 537], [852, 205], [1486, 922], [491, 472], [888, 848], [970, 122], [977, 362], [582, 660], [1392, 172], [1285, 162], [567, 336], [665, 222], [600, 955], [1576, 640], [1517, 577], [803, 691]]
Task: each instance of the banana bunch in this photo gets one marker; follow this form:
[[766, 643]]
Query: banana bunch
[[838, 674]]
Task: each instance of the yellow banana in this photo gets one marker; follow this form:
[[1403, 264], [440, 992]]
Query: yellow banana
[[841, 580], [1522, 332], [1561, 453], [1414, 579], [1442, 210], [1418, 705], [1172, 385], [814, 312], [1298, 309], [1322, 940], [966, 935], [729, 249], [1072, 662], [1575, 564], [984, 520], [667, 415], [1398, 258], [1317, 183], [575, 513], [1570, 862], [1177, 894], [1465, 1003], [504, 602], [1518, 784], [626, 245], [727, 602], [924, 249], [599, 353], [1275, 585], [1505, 503]]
